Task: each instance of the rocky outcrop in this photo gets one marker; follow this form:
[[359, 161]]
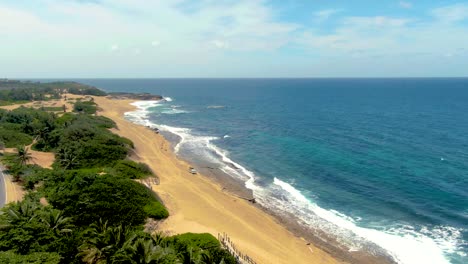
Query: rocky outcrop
[[135, 96]]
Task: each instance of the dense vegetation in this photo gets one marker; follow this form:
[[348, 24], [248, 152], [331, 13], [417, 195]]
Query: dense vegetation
[[85, 107], [95, 211], [13, 91]]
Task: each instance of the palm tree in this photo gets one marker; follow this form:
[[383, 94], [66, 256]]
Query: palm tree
[[119, 237], [22, 211], [93, 250], [104, 241], [67, 158], [55, 220], [21, 158], [23, 155], [197, 256], [41, 134], [144, 251]]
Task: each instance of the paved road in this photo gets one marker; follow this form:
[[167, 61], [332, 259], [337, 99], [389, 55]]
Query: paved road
[[2, 188]]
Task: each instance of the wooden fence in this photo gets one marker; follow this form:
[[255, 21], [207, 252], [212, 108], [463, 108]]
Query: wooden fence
[[227, 244]]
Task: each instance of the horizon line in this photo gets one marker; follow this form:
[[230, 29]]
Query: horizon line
[[232, 78]]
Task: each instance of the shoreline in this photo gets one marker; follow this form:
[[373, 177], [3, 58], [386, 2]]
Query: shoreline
[[236, 187], [222, 195], [229, 184], [197, 204]]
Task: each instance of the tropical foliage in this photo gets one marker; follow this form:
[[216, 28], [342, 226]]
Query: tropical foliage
[[32, 232], [92, 210]]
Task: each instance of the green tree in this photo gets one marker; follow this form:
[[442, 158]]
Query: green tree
[[145, 251], [23, 155], [56, 222], [103, 241]]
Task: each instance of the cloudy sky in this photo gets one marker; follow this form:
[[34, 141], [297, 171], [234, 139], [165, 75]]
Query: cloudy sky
[[241, 38]]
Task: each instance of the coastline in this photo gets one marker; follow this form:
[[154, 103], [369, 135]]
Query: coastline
[[198, 204], [178, 194], [249, 225], [288, 202]]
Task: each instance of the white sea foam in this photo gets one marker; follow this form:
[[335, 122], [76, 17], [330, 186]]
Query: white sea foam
[[234, 168], [174, 111], [404, 244], [141, 115], [226, 136], [215, 106], [186, 138], [167, 99]]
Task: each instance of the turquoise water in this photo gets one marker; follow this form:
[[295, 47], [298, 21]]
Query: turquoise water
[[379, 160]]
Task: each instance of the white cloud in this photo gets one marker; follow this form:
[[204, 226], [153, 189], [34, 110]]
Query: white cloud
[[325, 14], [386, 37], [63, 29], [79, 29], [405, 4], [375, 21], [251, 21], [452, 13]]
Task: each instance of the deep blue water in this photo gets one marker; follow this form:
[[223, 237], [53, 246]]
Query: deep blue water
[[383, 159]]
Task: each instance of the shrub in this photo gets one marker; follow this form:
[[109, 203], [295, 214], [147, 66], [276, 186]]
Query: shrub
[[96, 121], [13, 138], [90, 197], [156, 210], [85, 107], [131, 170], [86, 145], [32, 175], [203, 241], [189, 242], [65, 120]]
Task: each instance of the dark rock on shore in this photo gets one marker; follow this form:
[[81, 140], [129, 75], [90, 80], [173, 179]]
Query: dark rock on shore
[[135, 96]]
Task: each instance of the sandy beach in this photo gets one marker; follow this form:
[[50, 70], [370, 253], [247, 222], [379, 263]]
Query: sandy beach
[[197, 204]]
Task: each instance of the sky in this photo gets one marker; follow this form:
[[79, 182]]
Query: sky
[[233, 39]]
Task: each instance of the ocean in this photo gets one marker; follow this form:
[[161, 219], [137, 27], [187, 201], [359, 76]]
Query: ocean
[[380, 161]]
